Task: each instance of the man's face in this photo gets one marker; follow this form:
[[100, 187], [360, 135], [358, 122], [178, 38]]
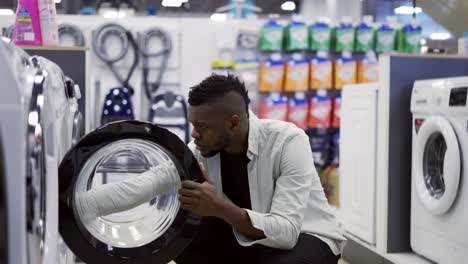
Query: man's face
[[210, 129]]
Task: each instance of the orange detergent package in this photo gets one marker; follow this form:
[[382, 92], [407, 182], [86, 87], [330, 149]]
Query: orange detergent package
[[368, 68], [298, 110], [271, 75], [297, 74], [345, 70], [336, 112], [274, 106], [320, 111], [321, 72]]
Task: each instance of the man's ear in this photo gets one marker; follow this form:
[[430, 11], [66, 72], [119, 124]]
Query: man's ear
[[234, 121]]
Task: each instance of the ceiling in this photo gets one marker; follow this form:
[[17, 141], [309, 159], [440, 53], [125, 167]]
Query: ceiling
[[193, 6]]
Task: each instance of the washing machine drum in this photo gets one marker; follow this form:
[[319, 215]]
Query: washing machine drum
[[156, 230], [436, 165]]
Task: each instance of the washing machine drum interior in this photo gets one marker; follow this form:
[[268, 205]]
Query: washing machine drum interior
[[150, 230]]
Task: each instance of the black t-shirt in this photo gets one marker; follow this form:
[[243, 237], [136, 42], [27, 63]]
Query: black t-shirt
[[235, 179]]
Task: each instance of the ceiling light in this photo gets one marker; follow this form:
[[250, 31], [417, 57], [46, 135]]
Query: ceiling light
[[439, 36], [218, 17], [58, 1], [6, 12], [288, 6], [172, 3], [407, 10]]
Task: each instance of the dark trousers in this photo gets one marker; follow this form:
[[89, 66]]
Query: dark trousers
[[216, 244]]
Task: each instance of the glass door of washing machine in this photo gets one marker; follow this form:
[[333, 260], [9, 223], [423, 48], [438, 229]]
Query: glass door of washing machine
[[108, 211], [437, 165]]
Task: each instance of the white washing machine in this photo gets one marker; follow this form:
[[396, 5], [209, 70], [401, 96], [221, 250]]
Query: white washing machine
[[38, 117], [439, 192]]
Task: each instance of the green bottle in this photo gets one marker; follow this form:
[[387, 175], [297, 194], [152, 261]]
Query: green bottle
[[271, 36], [344, 35], [365, 35], [320, 35], [296, 36]]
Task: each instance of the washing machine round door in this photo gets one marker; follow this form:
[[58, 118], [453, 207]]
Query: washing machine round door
[[437, 165], [108, 211]]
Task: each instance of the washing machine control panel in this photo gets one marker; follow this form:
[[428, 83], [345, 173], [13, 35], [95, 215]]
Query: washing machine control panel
[[458, 96]]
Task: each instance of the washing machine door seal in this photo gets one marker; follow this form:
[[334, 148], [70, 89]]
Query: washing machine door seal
[[118, 150], [437, 165]]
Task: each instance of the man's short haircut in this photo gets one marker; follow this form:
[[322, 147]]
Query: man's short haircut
[[216, 87]]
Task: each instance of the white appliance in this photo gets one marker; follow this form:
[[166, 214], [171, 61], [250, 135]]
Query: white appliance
[[358, 160], [439, 191], [38, 117]]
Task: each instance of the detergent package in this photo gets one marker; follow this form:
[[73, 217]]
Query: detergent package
[[365, 35], [271, 74], [320, 35], [297, 74], [410, 37], [344, 35], [296, 34], [298, 110], [321, 71], [386, 36], [345, 70], [319, 140], [335, 160], [336, 112], [274, 106], [368, 68], [271, 36], [320, 111]]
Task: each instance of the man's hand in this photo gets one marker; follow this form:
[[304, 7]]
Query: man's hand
[[201, 198]]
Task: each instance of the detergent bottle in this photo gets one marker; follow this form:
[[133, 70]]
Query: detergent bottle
[[27, 24], [386, 36], [320, 35], [296, 34], [410, 37], [344, 35], [321, 71], [271, 36], [365, 35], [35, 23]]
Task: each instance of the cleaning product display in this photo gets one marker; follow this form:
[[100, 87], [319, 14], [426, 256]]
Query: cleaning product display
[[118, 103], [368, 68], [297, 74], [271, 74], [321, 71], [365, 35], [345, 70], [298, 110], [296, 35], [320, 35], [320, 143], [344, 35], [271, 36]]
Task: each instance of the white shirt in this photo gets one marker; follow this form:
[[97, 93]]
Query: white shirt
[[285, 191]]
